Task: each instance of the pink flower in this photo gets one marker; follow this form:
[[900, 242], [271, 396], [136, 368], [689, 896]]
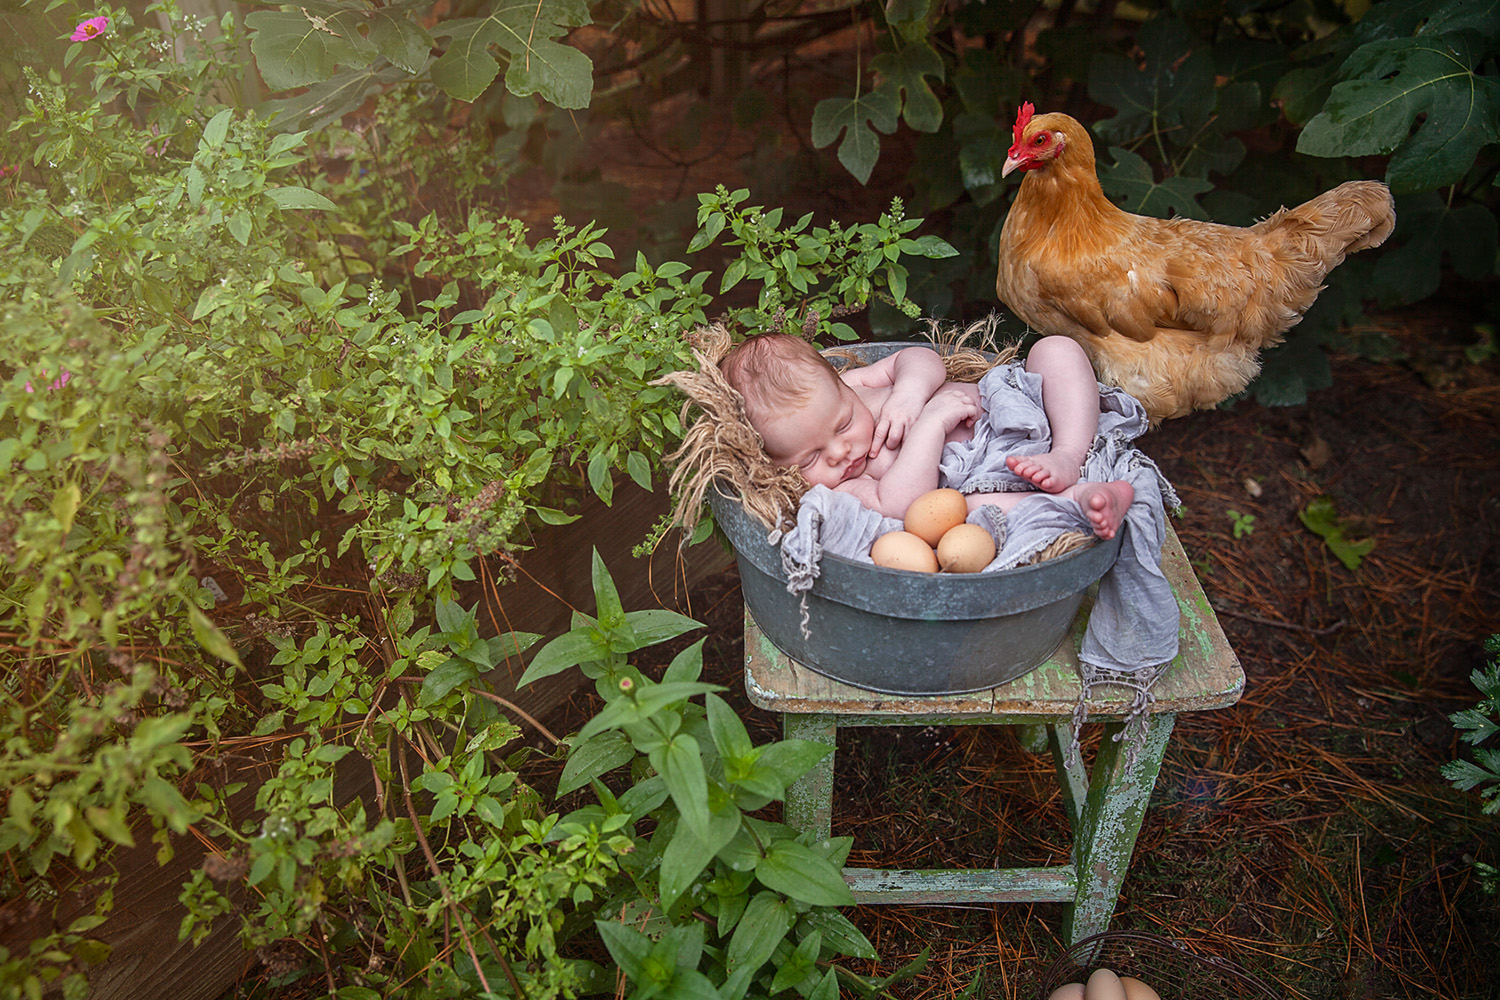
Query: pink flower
[[92, 28], [57, 383], [7, 171]]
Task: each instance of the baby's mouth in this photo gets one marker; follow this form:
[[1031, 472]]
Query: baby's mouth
[[854, 468]]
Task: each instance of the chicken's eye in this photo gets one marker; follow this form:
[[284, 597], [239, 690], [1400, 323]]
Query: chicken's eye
[[1040, 140]]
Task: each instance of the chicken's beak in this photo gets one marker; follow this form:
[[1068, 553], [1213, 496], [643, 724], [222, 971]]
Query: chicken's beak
[[1011, 163]]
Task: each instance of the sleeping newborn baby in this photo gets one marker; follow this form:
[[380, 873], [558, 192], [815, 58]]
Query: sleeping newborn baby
[[879, 432]]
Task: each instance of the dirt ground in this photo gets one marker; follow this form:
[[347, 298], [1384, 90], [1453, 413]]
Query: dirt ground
[[1305, 833]]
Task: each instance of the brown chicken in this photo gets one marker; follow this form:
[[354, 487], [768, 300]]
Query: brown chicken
[[1173, 311]]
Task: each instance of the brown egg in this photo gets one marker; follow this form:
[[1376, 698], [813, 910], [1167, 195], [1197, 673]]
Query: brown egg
[[931, 515], [903, 550], [1137, 990], [965, 548], [1067, 991], [1104, 985]]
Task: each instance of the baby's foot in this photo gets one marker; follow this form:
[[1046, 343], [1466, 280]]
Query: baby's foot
[[1050, 471], [1105, 504]]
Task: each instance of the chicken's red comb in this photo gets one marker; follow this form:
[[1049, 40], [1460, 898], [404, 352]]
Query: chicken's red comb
[[1023, 118]]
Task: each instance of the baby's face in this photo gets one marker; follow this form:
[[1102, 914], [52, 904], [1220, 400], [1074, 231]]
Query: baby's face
[[827, 439]]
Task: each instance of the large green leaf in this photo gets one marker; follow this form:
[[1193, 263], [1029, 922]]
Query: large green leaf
[[853, 116], [294, 48], [687, 853], [907, 71], [658, 625], [803, 874], [598, 755], [1395, 82], [322, 104], [402, 41], [448, 675], [681, 766], [1131, 183], [765, 924], [537, 64], [1174, 87], [567, 650], [1428, 230]]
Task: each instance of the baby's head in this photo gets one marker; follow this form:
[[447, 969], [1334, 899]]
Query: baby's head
[[809, 419]]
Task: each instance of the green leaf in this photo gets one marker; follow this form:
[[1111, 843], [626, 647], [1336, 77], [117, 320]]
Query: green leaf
[[827, 988], [687, 853], [1429, 231], [449, 675], [854, 117], [453, 618], [493, 737], [239, 227], [548, 515], [840, 935], [210, 638], [322, 104], [296, 48], [567, 650], [560, 73], [658, 625], [1320, 516], [765, 924], [686, 666], [627, 946], [1397, 81], [798, 872], [728, 731], [791, 759], [607, 607], [1174, 87], [400, 39], [1130, 182], [216, 130], [600, 479], [906, 71], [599, 755], [681, 767], [65, 505], [639, 469], [299, 197]]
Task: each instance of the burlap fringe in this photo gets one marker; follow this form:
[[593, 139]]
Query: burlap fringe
[[720, 450]]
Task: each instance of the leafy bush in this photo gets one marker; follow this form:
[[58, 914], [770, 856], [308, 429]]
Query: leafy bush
[[259, 422], [1476, 725]]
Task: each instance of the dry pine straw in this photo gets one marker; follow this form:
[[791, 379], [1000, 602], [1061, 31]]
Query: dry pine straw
[[1304, 833]]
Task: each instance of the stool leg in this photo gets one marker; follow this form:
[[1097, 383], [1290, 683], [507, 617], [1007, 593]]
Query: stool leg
[[1104, 838], [809, 799]]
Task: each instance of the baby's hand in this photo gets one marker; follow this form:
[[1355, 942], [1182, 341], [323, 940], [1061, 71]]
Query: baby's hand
[[894, 420], [952, 406]]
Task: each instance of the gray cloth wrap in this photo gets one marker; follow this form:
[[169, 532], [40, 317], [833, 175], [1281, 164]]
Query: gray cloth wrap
[[1134, 624]]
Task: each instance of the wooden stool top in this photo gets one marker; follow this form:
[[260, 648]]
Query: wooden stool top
[[1206, 673]]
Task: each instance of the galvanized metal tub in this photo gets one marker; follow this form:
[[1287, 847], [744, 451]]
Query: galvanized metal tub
[[898, 632]]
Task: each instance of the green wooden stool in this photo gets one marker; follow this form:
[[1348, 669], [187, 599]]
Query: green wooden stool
[[1105, 803]]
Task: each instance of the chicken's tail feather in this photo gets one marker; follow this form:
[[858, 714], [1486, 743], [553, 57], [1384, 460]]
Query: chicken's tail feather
[[1354, 216]]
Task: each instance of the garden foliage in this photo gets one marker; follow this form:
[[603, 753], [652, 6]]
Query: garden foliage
[[262, 417]]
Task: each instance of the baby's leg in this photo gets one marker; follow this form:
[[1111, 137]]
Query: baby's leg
[[1104, 504], [1070, 399]]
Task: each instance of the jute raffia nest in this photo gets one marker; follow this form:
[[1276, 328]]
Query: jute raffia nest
[[722, 451]]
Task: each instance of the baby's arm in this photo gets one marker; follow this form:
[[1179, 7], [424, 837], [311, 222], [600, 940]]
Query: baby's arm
[[915, 469], [912, 375]]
